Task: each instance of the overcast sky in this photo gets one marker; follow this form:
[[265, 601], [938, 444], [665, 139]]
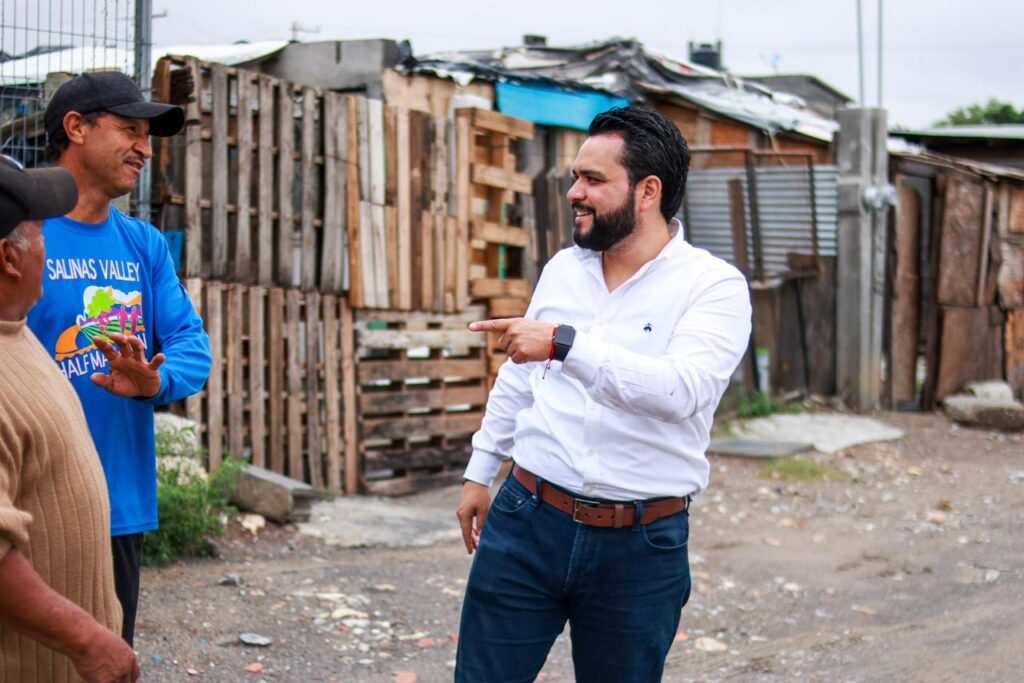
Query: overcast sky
[[938, 55]]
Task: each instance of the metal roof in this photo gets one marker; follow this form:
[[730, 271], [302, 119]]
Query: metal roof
[[1008, 131]]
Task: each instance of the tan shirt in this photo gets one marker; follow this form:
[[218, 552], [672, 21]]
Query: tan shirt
[[53, 499]]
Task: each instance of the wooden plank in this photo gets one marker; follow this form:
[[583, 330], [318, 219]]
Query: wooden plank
[[420, 131], [314, 456], [194, 403], [265, 155], [971, 348], [367, 254], [275, 383], [1016, 204], [403, 208], [390, 155], [332, 393], [413, 484], [310, 187], [499, 234], [242, 270], [400, 402], [451, 270], [363, 140], [373, 371], [295, 394], [501, 123], [1011, 275], [350, 413], [427, 245], [215, 383], [219, 196], [906, 294], [391, 230], [193, 266], [286, 182], [333, 194], [483, 288], [380, 255], [356, 294], [449, 423], [257, 370], [982, 295], [505, 307], [961, 227], [501, 179], [440, 256], [738, 223], [463, 207], [405, 339], [1014, 345], [378, 163], [423, 456], [423, 318], [235, 360]]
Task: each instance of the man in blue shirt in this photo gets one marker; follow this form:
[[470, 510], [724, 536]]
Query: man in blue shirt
[[114, 315]]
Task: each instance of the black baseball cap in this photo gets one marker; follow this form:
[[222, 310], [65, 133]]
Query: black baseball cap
[[114, 92], [27, 195]]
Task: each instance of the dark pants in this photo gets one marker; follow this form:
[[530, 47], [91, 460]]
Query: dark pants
[[621, 590], [127, 564]]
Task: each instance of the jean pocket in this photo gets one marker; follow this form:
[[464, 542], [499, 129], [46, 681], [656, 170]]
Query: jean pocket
[[668, 533], [512, 497]]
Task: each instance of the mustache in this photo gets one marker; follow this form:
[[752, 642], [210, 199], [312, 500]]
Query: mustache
[[580, 206]]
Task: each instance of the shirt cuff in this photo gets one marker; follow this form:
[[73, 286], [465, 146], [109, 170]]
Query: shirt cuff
[[483, 467], [584, 359]]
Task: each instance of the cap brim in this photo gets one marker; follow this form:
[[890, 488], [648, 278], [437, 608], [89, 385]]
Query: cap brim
[[165, 120], [56, 193]]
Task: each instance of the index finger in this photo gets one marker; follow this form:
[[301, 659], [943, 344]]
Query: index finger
[[494, 325]]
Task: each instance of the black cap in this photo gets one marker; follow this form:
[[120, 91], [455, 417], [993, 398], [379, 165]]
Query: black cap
[[114, 92], [27, 195]]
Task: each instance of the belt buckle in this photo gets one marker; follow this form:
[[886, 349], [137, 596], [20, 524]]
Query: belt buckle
[[576, 503]]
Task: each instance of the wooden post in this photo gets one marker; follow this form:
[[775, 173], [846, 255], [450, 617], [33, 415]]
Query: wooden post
[[348, 383]]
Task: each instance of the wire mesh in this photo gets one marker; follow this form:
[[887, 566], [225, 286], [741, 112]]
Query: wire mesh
[[42, 44]]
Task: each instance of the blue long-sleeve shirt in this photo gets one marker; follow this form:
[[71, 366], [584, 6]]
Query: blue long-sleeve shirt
[[117, 276]]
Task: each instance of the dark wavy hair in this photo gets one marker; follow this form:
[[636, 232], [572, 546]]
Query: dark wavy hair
[[653, 146]]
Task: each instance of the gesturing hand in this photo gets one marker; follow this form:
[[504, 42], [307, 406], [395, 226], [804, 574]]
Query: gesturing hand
[[131, 375], [522, 339]]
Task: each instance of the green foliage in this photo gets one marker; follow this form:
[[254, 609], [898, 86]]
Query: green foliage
[[189, 505], [993, 111], [759, 404], [796, 469]]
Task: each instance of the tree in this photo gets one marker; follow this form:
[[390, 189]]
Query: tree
[[992, 112]]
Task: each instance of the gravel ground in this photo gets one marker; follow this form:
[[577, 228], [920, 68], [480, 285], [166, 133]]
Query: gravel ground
[[907, 569]]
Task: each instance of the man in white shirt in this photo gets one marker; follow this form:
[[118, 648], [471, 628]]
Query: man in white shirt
[[606, 408]]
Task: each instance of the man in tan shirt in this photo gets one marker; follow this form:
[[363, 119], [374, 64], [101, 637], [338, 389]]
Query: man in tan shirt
[[59, 615]]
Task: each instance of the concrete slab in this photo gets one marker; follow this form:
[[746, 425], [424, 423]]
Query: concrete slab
[[750, 448], [421, 519], [829, 432], [986, 413]]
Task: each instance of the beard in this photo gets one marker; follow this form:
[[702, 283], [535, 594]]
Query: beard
[[607, 229]]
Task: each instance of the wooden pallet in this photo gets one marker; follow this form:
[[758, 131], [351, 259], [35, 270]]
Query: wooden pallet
[[421, 391], [281, 378], [489, 211]]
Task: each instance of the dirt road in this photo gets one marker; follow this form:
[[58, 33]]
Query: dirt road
[[909, 568]]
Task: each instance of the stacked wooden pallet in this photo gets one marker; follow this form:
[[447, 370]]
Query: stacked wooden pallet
[[420, 391], [488, 191], [281, 383]]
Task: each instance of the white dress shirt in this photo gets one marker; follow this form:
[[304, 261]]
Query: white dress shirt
[[628, 414]]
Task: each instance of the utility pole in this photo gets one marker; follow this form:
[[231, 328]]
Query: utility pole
[[144, 78], [860, 52], [865, 197]]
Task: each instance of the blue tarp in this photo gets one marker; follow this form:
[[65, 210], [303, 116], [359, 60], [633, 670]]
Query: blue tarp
[[551, 106]]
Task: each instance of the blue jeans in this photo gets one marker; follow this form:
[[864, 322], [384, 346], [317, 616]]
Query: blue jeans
[[621, 590]]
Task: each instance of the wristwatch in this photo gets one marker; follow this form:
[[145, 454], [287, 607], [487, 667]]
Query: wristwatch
[[564, 336]]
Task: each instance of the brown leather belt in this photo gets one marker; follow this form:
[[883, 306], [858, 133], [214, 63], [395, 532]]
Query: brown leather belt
[[592, 513]]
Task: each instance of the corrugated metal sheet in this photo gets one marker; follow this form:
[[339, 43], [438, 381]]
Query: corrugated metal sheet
[[784, 201]]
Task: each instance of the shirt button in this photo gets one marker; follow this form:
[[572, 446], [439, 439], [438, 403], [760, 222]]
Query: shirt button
[[590, 451], [588, 489]]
